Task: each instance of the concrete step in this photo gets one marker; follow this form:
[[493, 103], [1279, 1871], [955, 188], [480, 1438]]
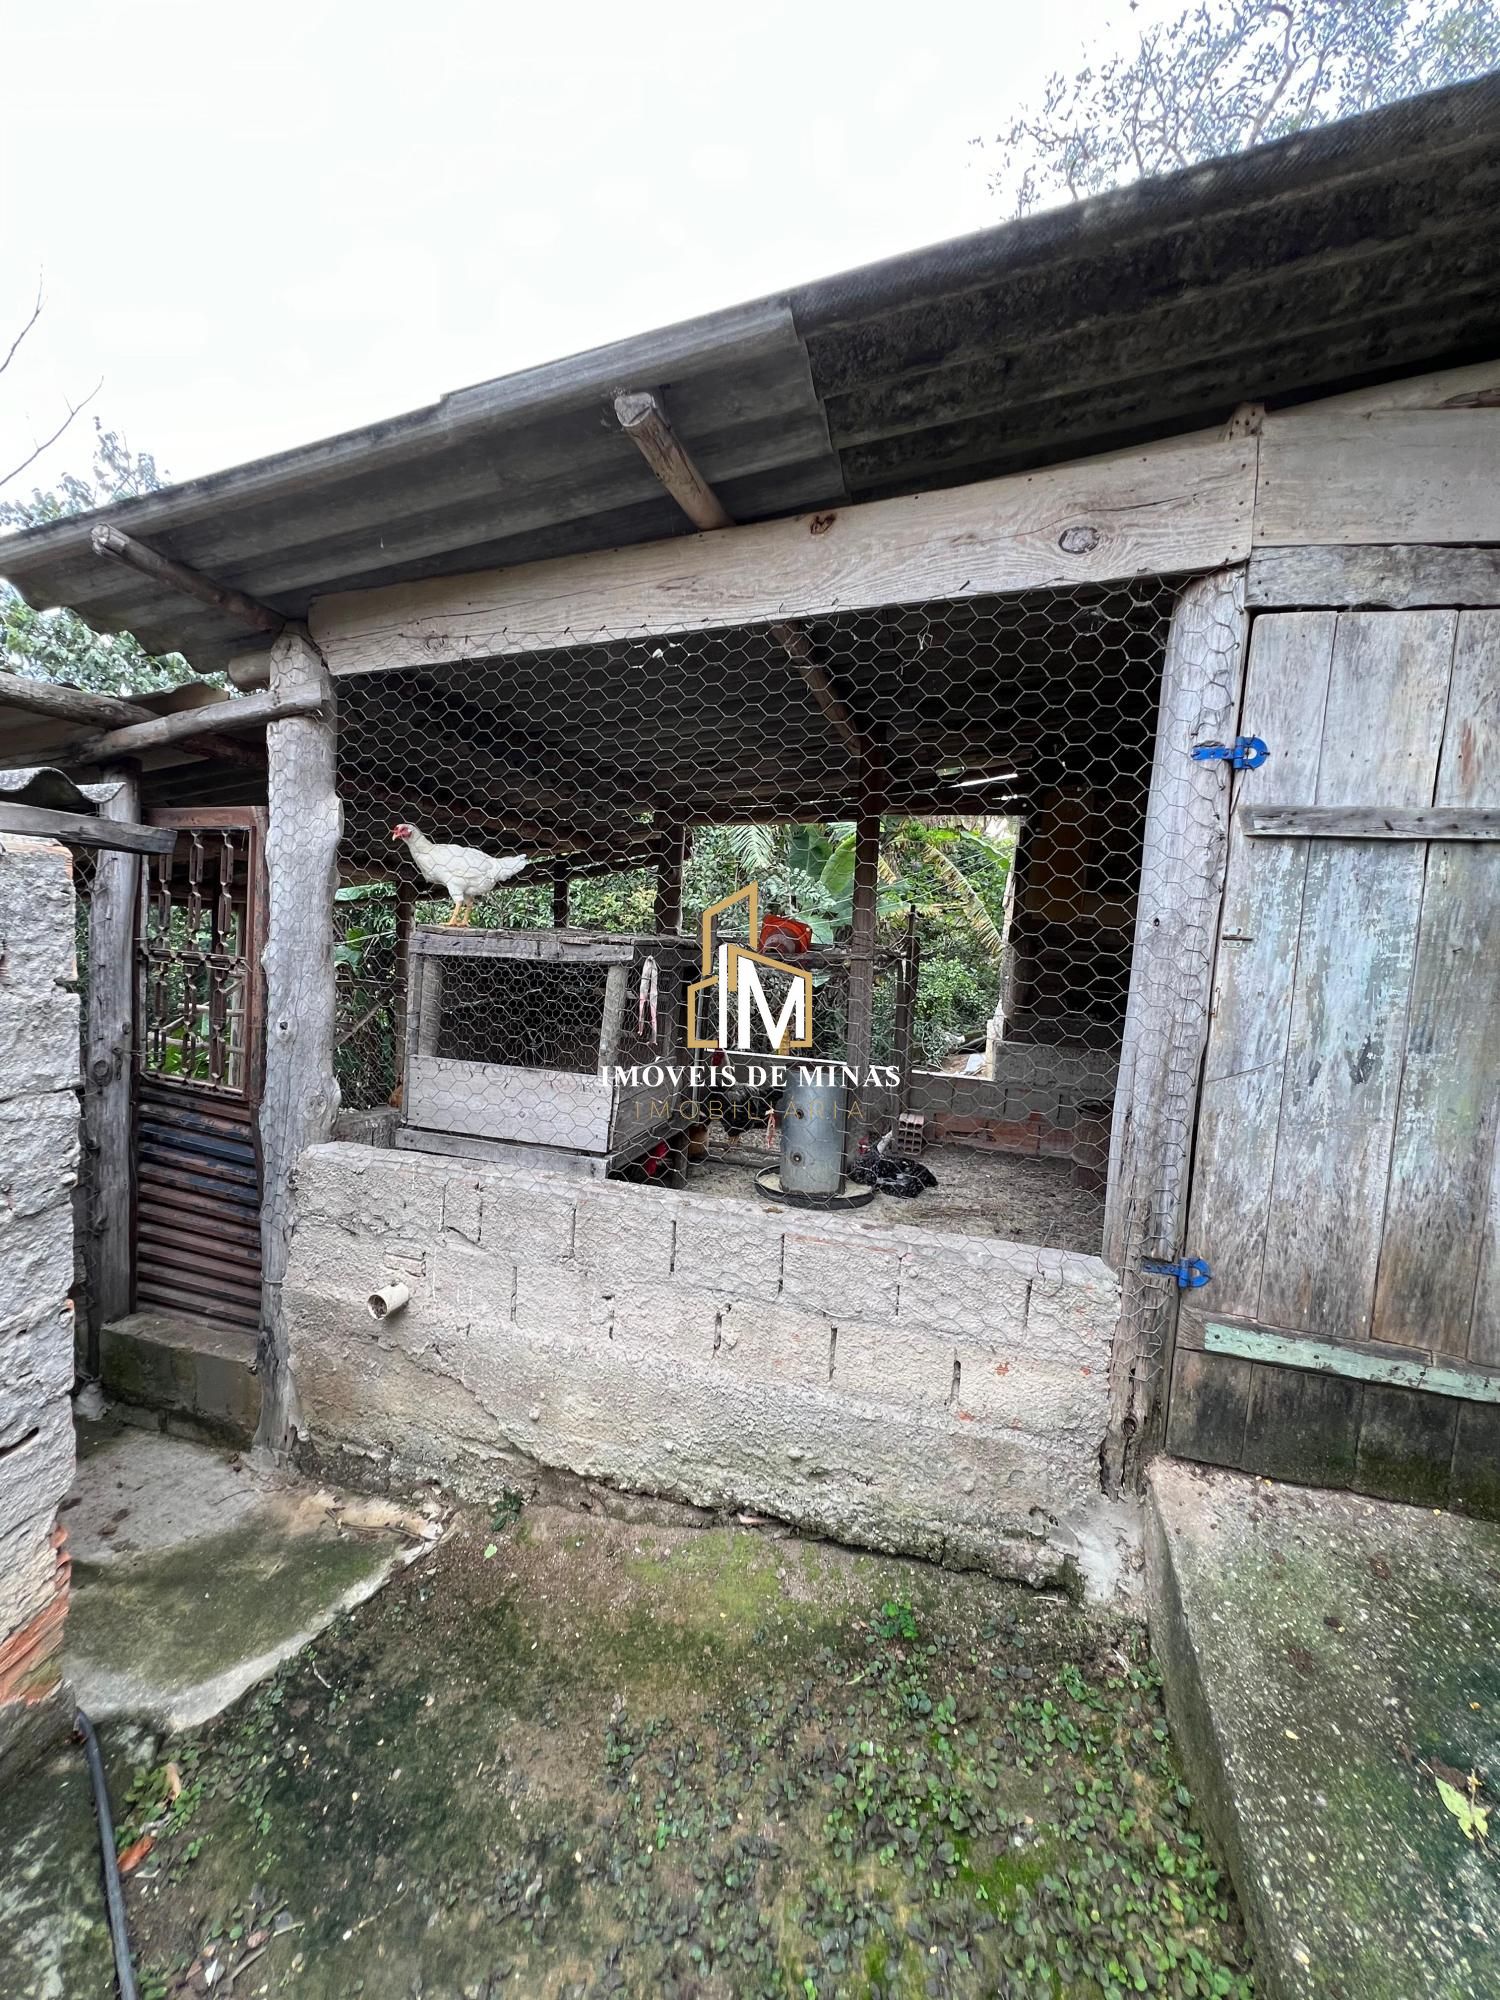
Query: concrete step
[[193, 1379], [1327, 1660]]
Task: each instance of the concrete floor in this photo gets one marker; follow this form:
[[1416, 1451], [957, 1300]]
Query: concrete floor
[[194, 1576], [1331, 1663], [1020, 1197]]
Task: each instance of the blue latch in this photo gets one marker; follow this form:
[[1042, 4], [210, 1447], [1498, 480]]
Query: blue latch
[[1190, 1272], [1246, 753]]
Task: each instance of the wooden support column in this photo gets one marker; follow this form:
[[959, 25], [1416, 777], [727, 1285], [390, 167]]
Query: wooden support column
[[406, 916], [109, 1069], [861, 1022], [671, 860], [1184, 856], [559, 895], [300, 1095]]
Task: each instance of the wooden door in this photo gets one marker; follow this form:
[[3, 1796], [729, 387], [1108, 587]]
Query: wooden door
[[200, 1060], [1344, 1190]]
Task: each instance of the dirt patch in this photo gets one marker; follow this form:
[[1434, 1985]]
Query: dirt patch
[[574, 1756]]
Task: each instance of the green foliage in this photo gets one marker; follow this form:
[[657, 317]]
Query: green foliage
[[897, 1620], [57, 645], [1229, 74]]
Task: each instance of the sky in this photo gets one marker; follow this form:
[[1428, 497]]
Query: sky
[[261, 226]]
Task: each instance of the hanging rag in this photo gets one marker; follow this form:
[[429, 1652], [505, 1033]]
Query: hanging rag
[[646, 998]]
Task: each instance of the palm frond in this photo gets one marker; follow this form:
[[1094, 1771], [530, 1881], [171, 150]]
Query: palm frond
[[753, 847]]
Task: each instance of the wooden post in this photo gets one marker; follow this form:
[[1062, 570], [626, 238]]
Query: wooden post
[[559, 895], [671, 860], [406, 915], [1184, 855], [861, 1022], [300, 1095], [109, 1070]]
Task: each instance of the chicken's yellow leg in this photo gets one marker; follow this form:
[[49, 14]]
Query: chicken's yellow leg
[[453, 914]]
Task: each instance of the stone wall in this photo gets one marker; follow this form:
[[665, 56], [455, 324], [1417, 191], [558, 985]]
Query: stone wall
[[897, 1388], [38, 1168]]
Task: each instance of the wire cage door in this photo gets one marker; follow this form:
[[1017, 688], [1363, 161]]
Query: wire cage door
[[199, 1061]]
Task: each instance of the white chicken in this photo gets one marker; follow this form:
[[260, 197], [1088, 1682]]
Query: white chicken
[[462, 873]]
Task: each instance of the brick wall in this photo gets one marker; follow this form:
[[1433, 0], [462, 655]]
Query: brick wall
[[38, 1168], [899, 1388]]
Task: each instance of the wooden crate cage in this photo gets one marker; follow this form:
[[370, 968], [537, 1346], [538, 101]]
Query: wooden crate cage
[[511, 1033]]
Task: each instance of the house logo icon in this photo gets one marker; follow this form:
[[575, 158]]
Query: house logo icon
[[734, 971]]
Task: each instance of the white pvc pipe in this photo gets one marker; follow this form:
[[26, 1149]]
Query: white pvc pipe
[[390, 1300]]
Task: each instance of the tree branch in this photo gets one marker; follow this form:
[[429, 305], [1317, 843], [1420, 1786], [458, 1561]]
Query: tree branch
[[74, 410], [36, 313]]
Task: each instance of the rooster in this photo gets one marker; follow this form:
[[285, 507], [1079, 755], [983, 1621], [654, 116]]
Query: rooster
[[462, 873]]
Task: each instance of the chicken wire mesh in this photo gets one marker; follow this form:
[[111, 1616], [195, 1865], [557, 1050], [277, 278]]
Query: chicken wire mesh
[[545, 875]]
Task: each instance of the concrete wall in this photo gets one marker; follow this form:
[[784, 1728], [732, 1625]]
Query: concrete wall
[[39, 1115], [907, 1390]]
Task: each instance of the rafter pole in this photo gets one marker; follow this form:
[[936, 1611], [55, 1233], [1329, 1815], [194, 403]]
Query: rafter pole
[[254, 711], [103, 712], [644, 420], [173, 575]]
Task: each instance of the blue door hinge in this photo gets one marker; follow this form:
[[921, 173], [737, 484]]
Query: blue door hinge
[[1190, 1272], [1246, 753]]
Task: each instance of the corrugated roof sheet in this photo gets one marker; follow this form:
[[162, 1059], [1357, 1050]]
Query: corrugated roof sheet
[[1367, 249]]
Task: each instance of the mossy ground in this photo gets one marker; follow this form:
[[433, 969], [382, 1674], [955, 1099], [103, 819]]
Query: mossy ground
[[612, 1759]]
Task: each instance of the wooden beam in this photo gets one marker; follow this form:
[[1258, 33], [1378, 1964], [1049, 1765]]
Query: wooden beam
[[1373, 822], [108, 541], [70, 704], [860, 1027], [1181, 505], [108, 1070], [646, 424], [253, 711], [249, 671], [1356, 1361], [671, 860], [1184, 855], [85, 830], [300, 1094], [644, 420], [1390, 476], [106, 712], [803, 655], [1402, 578]]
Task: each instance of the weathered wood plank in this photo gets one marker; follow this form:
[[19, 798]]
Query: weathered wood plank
[[1302, 1427], [1356, 1360], [108, 1071], [1474, 1474], [1397, 578], [1391, 476], [1210, 1395], [1406, 1446], [1382, 731], [85, 829], [1286, 687], [1182, 880], [1373, 822], [1181, 505], [1445, 1142], [301, 1094]]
